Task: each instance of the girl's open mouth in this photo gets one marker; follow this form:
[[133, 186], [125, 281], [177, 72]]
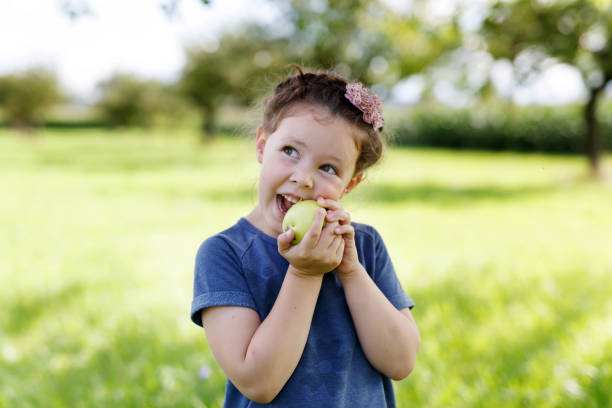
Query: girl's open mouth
[[285, 202]]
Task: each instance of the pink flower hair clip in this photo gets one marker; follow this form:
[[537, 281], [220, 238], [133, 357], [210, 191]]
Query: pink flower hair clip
[[367, 103]]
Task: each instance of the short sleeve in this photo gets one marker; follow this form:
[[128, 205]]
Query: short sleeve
[[218, 278], [385, 277]]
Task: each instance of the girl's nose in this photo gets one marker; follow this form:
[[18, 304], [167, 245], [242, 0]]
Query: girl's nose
[[302, 177]]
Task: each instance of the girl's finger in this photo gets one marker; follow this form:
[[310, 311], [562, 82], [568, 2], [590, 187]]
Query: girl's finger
[[329, 203], [340, 248], [314, 233], [328, 235], [345, 230], [333, 244], [338, 215], [335, 212], [284, 240]]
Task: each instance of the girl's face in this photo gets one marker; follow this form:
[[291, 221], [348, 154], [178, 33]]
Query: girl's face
[[309, 155]]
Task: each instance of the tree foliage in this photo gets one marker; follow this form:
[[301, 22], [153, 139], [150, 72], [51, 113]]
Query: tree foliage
[[204, 83], [361, 40], [335, 35], [126, 100], [576, 32], [26, 97], [416, 40]]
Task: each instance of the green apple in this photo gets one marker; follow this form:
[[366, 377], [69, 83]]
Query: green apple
[[299, 218]]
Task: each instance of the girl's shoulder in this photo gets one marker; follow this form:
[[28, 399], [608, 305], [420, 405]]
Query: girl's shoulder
[[366, 232], [364, 228], [235, 240], [371, 247]]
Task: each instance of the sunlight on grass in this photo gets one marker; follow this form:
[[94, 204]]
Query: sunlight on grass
[[506, 255]]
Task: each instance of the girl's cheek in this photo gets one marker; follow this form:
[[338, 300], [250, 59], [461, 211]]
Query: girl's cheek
[[332, 190]]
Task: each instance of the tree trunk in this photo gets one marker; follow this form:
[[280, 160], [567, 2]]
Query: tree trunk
[[23, 127], [209, 125], [593, 138]]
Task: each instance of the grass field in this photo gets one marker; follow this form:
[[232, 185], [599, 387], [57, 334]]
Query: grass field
[[508, 257]]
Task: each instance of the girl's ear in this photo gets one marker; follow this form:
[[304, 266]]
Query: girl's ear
[[356, 179], [260, 143]]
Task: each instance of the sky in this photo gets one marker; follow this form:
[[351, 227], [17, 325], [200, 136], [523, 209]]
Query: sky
[[136, 36]]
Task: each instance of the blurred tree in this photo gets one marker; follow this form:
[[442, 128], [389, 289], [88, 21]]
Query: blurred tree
[[340, 35], [236, 70], [576, 32], [421, 40], [418, 38], [253, 59], [126, 100], [362, 40], [25, 97], [204, 83], [373, 41]]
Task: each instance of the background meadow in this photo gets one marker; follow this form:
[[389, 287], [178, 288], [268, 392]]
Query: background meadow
[[507, 255]]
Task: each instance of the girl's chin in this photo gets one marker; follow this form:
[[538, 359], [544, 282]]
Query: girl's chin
[[274, 223]]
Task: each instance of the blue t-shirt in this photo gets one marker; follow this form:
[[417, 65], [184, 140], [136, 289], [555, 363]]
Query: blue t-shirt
[[241, 266]]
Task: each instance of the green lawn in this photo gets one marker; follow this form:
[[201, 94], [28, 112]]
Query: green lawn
[[508, 257]]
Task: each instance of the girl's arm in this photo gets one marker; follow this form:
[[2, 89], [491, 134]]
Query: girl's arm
[[389, 337], [259, 357]]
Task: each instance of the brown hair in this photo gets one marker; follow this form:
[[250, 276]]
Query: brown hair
[[326, 91]]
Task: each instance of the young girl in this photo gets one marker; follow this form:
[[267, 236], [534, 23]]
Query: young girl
[[324, 323]]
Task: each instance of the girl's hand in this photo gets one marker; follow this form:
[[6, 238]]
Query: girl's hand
[[342, 221], [319, 252]]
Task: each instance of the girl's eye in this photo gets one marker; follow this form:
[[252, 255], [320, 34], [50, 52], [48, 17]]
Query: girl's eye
[[329, 169], [290, 151]]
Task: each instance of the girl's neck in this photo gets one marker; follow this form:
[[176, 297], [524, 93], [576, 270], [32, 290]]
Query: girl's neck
[[255, 219]]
